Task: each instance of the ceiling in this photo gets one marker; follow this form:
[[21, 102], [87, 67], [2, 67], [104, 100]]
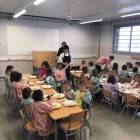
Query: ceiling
[[81, 9]]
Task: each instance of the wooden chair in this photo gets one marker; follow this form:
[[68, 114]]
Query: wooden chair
[[119, 79], [26, 108], [107, 94], [27, 126], [17, 104], [73, 123], [131, 102], [83, 77], [127, 80]]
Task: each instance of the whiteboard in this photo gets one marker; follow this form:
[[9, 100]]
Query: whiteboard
[[23, 40]]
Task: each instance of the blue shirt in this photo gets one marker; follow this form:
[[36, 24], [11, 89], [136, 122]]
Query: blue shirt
[[90, 70], [8, 85]]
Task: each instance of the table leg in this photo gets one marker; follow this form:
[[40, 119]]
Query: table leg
[[56, 130]]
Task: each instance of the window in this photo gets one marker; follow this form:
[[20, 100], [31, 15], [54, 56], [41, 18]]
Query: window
[[127, 39]]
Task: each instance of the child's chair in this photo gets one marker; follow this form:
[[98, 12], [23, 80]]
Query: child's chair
[[107, 94], [73, 123], [119, 79], [27, 126], [127, 80], [131, 102]]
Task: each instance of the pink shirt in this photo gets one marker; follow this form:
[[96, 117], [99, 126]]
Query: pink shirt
[[39, 116], [19, 87], [60, 75], [103, 60]]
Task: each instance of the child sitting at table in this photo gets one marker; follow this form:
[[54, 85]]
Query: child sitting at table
[[82, 96], [83, 65], [115, 67], [95, 79], [136, 82], [60, 75], [12, 76], [85, 72], [112, 87], [129, 67], [8, 71], [137, 64], [90, 67], [135, 71], [39, 110], [123, 73], [19, 85], [69, 93], [27, 100], [44, 66], [115, 74], [50, 79], [104, 73]]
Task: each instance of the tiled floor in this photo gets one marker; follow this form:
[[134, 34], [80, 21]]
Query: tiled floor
[[103, 126]]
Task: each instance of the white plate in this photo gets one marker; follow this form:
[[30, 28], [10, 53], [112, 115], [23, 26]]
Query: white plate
[[45, 97], [32, 77], [72, 72], [133, 92], [58, 105], [46, 86], [30, 83], [78, 71], [40, 82], [137, 90], [35, 88], [70, 102], [62, 95], [24, 78]]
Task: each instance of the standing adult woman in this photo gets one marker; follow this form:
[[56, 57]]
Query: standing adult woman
[[66, 57]]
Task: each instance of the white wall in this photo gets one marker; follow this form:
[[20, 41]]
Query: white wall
[[80, 38]]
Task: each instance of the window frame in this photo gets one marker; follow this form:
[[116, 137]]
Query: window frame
[[115, 26]]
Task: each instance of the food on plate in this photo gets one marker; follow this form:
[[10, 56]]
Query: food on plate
[[58, 96], [138, 90], [55, 106], [70, 104], [34, 88], [123, 89], [132, 92]]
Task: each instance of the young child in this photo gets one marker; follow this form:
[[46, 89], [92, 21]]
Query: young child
[[69, 93], [44, 66], [95, 80], [85, 72], [60, 75], [12, 76], [19, 85], [8, 71], [50, 79], [104, 73], [90, 67], [39, 110], [115, 67], [123, 73], [137, 64], [83, 65], [115, 74], [136, 82], [129, 67], [27, 100], [112, 87], [135, 71], [82, 96]]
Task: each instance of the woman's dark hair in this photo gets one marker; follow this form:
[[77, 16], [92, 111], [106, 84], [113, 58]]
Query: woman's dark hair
[[111, 57], [18, 76], [37, 95], [26, 92], [64, 43], [135, 69], [49, 71], [66, 47], [130, 64], [95, 73], [124, 67], [59, 64], [115, 66], [45, 63], [111, 79], [136, 75], [85, 70], [91, 63], [12, 76]]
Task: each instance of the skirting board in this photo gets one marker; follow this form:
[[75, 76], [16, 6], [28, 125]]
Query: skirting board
[[76, 56]]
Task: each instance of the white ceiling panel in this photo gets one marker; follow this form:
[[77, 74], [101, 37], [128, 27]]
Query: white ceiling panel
[[81, 9]]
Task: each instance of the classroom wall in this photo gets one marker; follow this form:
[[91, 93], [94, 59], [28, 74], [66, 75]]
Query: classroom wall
[[80, 38]]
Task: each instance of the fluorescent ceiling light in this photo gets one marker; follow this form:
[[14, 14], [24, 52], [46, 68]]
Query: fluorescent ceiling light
[[91, 21], [20, 13], [38, 2], [130, 14]]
